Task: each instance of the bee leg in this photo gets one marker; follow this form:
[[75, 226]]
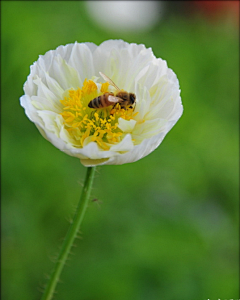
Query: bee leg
[[123, 107], [134, 107], [112, 109]]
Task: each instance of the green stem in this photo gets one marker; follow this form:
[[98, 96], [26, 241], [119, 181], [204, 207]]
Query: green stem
[[71, 235]]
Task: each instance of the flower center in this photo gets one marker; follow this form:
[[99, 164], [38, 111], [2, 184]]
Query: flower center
[[85, 124]]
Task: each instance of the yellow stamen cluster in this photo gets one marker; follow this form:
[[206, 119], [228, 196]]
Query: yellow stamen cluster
[[85, 124]]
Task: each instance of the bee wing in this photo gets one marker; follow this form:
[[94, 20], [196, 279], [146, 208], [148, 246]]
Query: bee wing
[[114, 99], [109, 80]]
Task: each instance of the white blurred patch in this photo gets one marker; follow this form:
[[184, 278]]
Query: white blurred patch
[[125, 15]]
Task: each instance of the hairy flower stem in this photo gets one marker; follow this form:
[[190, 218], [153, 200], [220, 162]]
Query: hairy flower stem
[[71, 235]]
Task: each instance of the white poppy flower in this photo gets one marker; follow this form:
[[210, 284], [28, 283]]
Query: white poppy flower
[[63, 82]]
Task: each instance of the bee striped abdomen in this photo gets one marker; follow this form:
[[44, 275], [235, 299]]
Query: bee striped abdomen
[[95, 103], [100, 101]]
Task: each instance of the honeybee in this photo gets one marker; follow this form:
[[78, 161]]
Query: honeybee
[[122, 97]]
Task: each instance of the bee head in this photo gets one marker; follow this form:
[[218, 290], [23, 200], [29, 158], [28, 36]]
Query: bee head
[[132, 98]]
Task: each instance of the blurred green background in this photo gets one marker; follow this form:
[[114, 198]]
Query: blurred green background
[[165, 227]]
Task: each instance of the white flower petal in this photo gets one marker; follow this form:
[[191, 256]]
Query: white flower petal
[[143, 102], [121, 61], [66, 76], [51, 101], [49, 120], [92, 151], [126, 125], [125, 145], [81, 59], [54, 87], [138, 152], [30, 111], [94, 162]]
